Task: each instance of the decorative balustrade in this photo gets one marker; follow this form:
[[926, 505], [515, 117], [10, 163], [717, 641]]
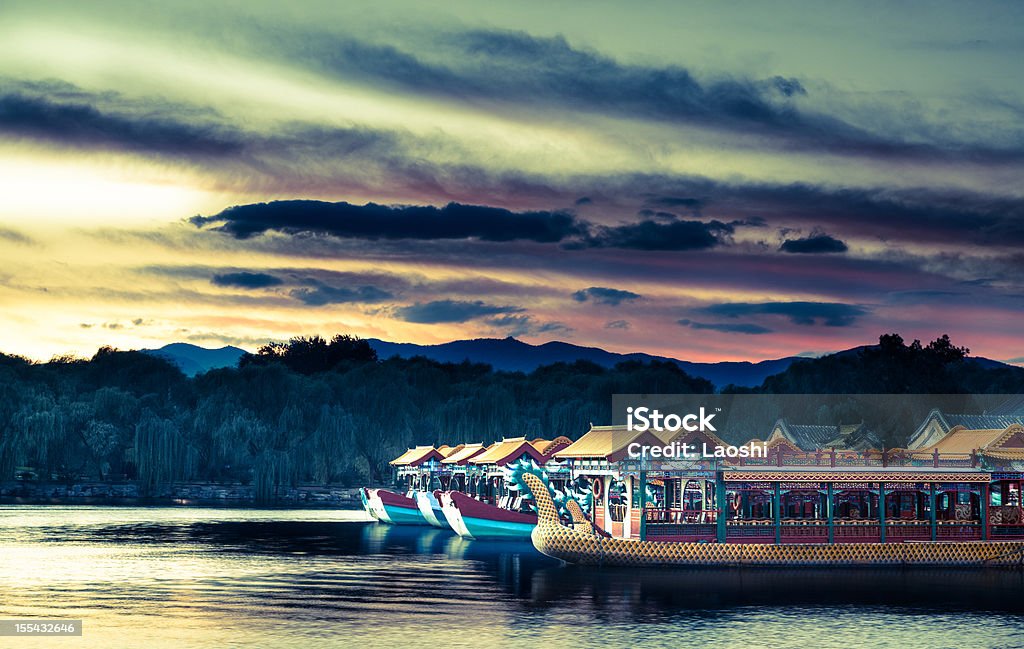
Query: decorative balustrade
[[679, 516], [850, 531], [830, 458]]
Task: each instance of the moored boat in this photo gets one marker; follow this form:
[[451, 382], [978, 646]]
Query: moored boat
[[953, 502], [364, 497], [583, 546], [390, 507], [492, 510], [473, 519], [417, 467], [430, 507], [463, 487]]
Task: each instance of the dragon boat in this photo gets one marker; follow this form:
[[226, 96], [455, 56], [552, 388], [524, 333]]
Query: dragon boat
[[953, 500]]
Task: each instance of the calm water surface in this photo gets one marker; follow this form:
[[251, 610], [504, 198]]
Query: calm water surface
[[160, 577]]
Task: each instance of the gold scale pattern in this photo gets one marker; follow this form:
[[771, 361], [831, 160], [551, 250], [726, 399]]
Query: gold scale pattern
[[584, 547]]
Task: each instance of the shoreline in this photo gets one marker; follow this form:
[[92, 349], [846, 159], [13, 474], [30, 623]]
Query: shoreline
[[178, 495]]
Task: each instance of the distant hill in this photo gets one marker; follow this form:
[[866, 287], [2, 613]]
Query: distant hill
[[192, 359], [515, 355]]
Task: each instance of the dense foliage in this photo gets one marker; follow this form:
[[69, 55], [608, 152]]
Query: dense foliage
[[317, 411], [306, 411]]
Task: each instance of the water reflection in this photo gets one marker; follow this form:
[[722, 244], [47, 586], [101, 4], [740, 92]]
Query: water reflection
[[166, 578]]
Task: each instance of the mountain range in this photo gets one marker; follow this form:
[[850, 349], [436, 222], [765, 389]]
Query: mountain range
[[501, 353], [513, 355]]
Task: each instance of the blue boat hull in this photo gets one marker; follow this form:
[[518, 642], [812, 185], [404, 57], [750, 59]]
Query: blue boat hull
[[482, 528]]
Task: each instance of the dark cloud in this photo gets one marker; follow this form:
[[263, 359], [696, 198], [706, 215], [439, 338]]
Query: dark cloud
[[603, 295], [618, 324], [145, 128], [525, 325], [727, 327], [321, 294], [651, 235], [918, 215], [372, 221], [518, 68], [831, 314], [820, 243], [913, 215], [551, 327], [441, 311], [244, 279]]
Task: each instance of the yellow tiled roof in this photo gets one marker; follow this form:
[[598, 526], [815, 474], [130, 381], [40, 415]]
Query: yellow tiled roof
[[545, 446], [448, 451], [602, 441], [1006, 453], [467, 451], [413, 455], [961, 441], [500, 450]]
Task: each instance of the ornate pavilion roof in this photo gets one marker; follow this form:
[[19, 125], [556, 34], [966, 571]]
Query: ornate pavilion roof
[[811, 437], [606, 442], [1004, 416], [1002, 443], [508, 449], [550, 447], [462, 455], [417, 456]]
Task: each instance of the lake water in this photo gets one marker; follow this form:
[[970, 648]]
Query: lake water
[[162, 577]]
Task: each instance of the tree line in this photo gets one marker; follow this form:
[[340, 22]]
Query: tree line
[[317, 411]]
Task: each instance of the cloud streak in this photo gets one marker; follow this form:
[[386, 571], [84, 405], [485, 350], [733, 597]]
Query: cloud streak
[[520, 69], [445, 311], [372, 221], [604, 295], [830, 314], [244, 279], [80, 123], [726, 327], [820, 243]]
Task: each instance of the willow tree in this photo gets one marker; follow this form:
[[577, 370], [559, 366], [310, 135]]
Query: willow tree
[[160, 452]]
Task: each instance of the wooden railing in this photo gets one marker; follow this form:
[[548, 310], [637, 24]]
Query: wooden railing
[[682, 531], [680, 516], [832, 458], [857, 530]]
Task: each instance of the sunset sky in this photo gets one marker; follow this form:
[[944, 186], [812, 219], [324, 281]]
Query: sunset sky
[[714, 181]]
